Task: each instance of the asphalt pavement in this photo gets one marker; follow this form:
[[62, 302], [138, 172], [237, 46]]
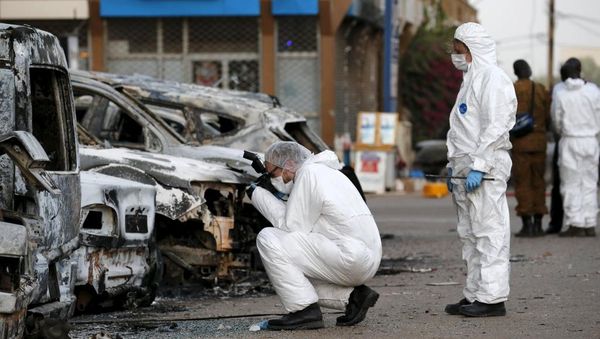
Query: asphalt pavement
[[555, 289]]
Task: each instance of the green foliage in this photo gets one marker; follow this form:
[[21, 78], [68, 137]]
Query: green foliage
[[429, 80]]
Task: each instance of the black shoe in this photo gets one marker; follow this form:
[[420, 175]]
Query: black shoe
[[537, 225], [453, 308], [527, 230], [553, 229], [477, 309], [590, 232], [306, 319], [361, 298], [573, 231]]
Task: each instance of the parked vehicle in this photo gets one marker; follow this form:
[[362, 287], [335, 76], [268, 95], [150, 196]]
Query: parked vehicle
[[212, 116], [205, 228], [118, 263], [431, 156], [40, 196], [206, 115], [119, 120]]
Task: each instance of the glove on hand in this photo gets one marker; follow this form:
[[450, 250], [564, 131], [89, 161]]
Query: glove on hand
[[264, 181], [448, 180], [474, 179]]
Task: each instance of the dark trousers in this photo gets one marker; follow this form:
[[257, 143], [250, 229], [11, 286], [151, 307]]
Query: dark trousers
[[556, 206], [530, 188]]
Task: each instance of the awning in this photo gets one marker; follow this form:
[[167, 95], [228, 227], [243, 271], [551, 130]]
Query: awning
[[179, 8]]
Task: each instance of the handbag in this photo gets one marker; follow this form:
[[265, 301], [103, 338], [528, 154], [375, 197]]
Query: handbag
[[524, 121]]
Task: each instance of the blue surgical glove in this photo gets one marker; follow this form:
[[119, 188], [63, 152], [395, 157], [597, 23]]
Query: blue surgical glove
[[474, 179], [449, 180]]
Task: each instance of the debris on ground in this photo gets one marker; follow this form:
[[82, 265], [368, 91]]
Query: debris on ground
[[410, 264], [263, 325], [444, 283], [519, 258]]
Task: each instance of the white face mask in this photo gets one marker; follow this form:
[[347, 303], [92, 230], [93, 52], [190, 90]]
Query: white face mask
[[460, 62], [282, 186]]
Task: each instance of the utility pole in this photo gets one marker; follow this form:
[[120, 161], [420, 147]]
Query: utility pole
[[551, 45], [390, 58]]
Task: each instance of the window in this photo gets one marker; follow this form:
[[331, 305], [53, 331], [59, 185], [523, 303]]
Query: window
[[172, 116], [192, 123], [52, 123], [82, 105], [210, 125], [107, 120]]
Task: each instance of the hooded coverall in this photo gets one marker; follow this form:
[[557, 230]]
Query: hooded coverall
[[324, 241], [576, 118], [478, 139]]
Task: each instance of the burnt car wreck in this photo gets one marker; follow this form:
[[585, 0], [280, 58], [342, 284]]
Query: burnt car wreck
[[201, 115], [118, 263], [204, 227], [39, 171], [212, 116]]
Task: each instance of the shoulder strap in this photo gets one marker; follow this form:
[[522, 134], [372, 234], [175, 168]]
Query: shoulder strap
[[532, 103]]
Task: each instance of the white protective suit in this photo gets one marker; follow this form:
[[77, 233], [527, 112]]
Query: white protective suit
[[478, 139], [576, 118], [324, 241]]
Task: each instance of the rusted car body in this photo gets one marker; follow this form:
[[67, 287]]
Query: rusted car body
[[39, 175], [206, 115], [118, 263]]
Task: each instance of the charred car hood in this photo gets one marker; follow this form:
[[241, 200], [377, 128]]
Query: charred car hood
[[168, 170]]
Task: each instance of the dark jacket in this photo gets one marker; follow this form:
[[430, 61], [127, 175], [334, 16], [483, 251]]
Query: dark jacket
[[536, 140]]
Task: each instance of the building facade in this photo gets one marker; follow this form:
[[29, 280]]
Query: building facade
[[322, 58]]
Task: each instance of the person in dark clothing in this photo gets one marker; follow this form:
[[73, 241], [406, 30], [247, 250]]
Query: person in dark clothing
[[529, 152]]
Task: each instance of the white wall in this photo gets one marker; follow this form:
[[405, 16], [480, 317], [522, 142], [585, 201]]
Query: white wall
[[43, 9]]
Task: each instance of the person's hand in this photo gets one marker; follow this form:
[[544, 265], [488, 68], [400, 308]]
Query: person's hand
[[474, 179], [449, 180], [264, 181]]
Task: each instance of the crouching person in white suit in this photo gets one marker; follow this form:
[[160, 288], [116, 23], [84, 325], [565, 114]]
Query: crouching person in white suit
[[324, 244]]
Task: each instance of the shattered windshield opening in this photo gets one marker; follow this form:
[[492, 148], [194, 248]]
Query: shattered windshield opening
[[51, 112], [194, 124]]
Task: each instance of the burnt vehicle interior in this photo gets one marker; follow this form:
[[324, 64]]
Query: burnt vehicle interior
[[114, 126], [194, 124]]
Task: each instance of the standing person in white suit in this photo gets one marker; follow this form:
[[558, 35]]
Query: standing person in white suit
[[478, 145], [324, 244], [576, 118]]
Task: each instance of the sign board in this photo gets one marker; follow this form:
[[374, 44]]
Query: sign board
[[376, 130], [371, 170]]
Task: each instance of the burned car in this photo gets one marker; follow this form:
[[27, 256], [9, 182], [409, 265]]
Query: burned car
[[206, 115], [114, 117], [205, 229], [39, 174], [118, 263]]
